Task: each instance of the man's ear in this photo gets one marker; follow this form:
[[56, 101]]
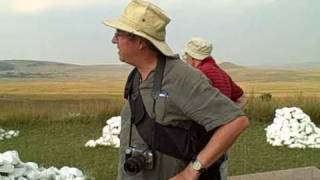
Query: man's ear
[[141, 44]]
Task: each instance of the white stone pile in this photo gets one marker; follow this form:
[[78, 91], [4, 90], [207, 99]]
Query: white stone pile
[[293, 128], [110, 134], [8, 134], [12, 168]]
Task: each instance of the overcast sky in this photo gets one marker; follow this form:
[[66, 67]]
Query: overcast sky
[[245, 32]]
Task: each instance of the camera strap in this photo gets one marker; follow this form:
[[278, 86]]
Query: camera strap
[[130, 93], [139, 116]]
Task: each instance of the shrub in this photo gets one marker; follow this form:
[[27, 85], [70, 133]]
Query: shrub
[[266, 96]]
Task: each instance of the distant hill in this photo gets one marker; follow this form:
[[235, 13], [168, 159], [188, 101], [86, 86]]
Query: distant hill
[[35, 66], [6, 66], [229, 65], [52, 71], [303, 65], [300, 65]]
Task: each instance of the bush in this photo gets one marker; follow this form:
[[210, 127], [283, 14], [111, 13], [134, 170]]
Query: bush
[[266, 96]]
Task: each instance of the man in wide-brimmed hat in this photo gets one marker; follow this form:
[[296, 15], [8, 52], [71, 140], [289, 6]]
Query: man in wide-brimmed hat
[[175, 125]]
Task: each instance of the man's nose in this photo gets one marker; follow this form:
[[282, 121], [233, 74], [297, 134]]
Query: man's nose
[[114, 39]]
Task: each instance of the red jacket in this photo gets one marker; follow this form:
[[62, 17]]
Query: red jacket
[[220, 79]]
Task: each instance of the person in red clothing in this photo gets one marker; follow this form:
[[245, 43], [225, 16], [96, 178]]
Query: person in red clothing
[[197, 53]]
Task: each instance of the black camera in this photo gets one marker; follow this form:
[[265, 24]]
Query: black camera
[[137, 160]]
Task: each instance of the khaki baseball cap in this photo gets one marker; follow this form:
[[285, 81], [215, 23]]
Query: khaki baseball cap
[[146, 20]]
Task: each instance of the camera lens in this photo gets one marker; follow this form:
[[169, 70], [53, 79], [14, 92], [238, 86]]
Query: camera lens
[[135, 164]]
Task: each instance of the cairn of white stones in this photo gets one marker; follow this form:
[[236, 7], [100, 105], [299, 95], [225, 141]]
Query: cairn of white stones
[[293, 128], [110, 134], [12, 168]]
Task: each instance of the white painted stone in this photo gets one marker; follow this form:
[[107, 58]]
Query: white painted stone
[[8, 134], [293, 128], [110, 134], [91, 143], [7, 168], [12, 167]]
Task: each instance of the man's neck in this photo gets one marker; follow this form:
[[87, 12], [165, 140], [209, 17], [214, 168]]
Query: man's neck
[[146, 65]]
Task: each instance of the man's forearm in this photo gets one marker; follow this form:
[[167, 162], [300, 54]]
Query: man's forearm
[[219, 143], [222, 139]]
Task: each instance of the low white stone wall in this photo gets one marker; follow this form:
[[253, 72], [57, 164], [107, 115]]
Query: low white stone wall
[[12, 168], [293, 128]]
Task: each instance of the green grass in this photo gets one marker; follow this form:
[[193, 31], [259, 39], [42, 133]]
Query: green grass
[[62, 144], [251, 154], [16, 110], [54, 131]]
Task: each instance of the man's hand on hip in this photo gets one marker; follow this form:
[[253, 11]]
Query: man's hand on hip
[[187, 174]]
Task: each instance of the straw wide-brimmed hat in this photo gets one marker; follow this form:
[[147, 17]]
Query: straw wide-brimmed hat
[[144, 19], [197, 48]]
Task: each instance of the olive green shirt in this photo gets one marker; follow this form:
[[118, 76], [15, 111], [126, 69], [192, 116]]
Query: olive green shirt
[[186, 94]]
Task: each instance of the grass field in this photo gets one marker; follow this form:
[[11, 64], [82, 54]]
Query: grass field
[[54, 129], [282, 89], [109, 87], [251, 154], [57, 117]]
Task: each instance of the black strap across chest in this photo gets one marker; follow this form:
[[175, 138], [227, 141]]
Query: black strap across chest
[[139, 116]]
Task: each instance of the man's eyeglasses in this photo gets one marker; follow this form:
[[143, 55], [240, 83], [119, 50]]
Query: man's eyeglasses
[[119, 33]]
